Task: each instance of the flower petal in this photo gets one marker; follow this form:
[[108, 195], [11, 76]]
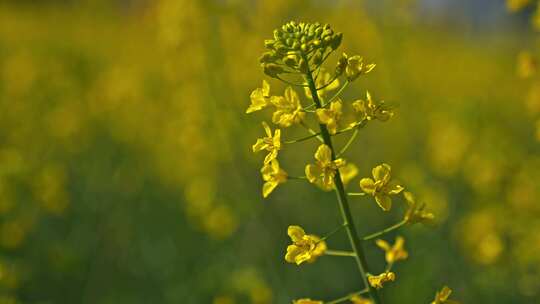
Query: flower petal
[[384, 201]]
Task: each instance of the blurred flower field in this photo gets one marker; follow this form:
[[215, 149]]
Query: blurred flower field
[[127, 176]]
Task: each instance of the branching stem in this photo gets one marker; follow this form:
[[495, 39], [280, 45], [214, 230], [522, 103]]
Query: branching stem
[[384, 231]]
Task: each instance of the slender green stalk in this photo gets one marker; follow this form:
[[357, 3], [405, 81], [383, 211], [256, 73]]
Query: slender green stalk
[[349, 142], [340, 253], [384, 231], [333, 232], [343, 203], [348, 297], [356, 193]]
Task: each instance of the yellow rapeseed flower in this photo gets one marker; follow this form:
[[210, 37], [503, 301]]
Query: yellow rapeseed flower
[[330, 116], [288, 109], [393, 253], [305, 247], [516, 5], [370, 110], [381, 187], [356, 299], [270, 143], [379, 280], [353, 66], [273, 175], [323, 171], [307, 301], [260, 98], [441, 297], [415, 212]]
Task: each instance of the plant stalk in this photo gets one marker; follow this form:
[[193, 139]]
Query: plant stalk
[[343, 203]]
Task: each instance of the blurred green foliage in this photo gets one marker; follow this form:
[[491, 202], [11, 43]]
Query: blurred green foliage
[[126, 174]]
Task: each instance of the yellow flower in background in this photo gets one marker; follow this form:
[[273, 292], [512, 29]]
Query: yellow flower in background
[[323, 171], [379, 280], [288, 109], [353, 66], [356, 299], [526, 65], [370, 110], [307, 301], [415, 212], [323, 82], [442, 296], [348, 172], [305, 247], [393, 253], [516, 5], [273, 175], [270, 143], [381, 186], [223, 299], [330, 116], [259, 98], [538, 130]]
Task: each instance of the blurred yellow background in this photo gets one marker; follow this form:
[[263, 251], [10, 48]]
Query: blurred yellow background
[[126, 172]]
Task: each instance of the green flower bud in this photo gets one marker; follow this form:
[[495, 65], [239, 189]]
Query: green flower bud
[[272, 70]]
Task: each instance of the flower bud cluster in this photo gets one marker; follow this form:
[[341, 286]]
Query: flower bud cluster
[[296, 46]]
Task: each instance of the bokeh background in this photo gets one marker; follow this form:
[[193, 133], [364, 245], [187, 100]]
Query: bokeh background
[[126, 174]]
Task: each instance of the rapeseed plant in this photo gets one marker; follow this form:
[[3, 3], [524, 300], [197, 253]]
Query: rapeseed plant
[[295, 56]]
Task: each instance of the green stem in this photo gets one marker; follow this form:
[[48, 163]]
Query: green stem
[[301, 139], [343, 203], [384, 231], [340, 253], [356, 193], [337, 93], [333, 232], [348, 297], [349, 142]]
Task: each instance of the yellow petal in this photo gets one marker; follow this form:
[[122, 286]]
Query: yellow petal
[[292, 252], [323, 154], [259, 145], [265, 88], [313, 172], [367, 185], [267, 129], [381, 172], [296, 233], [384, 201], [383, 244], [268, 187]]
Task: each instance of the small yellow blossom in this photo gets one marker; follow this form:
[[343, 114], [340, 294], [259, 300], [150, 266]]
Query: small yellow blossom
[[379, 280], [415, 212], [323, 171], [288, 109], [393, 253], [516, 5], [441, 297], [353, 66], [381, 187], [526, 65], [330, 116], [307, 301], [323, 82], [305, 247], [369, 110], [260, 98], [273, 175], [270, 143], [348, 172], [356, 299]]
